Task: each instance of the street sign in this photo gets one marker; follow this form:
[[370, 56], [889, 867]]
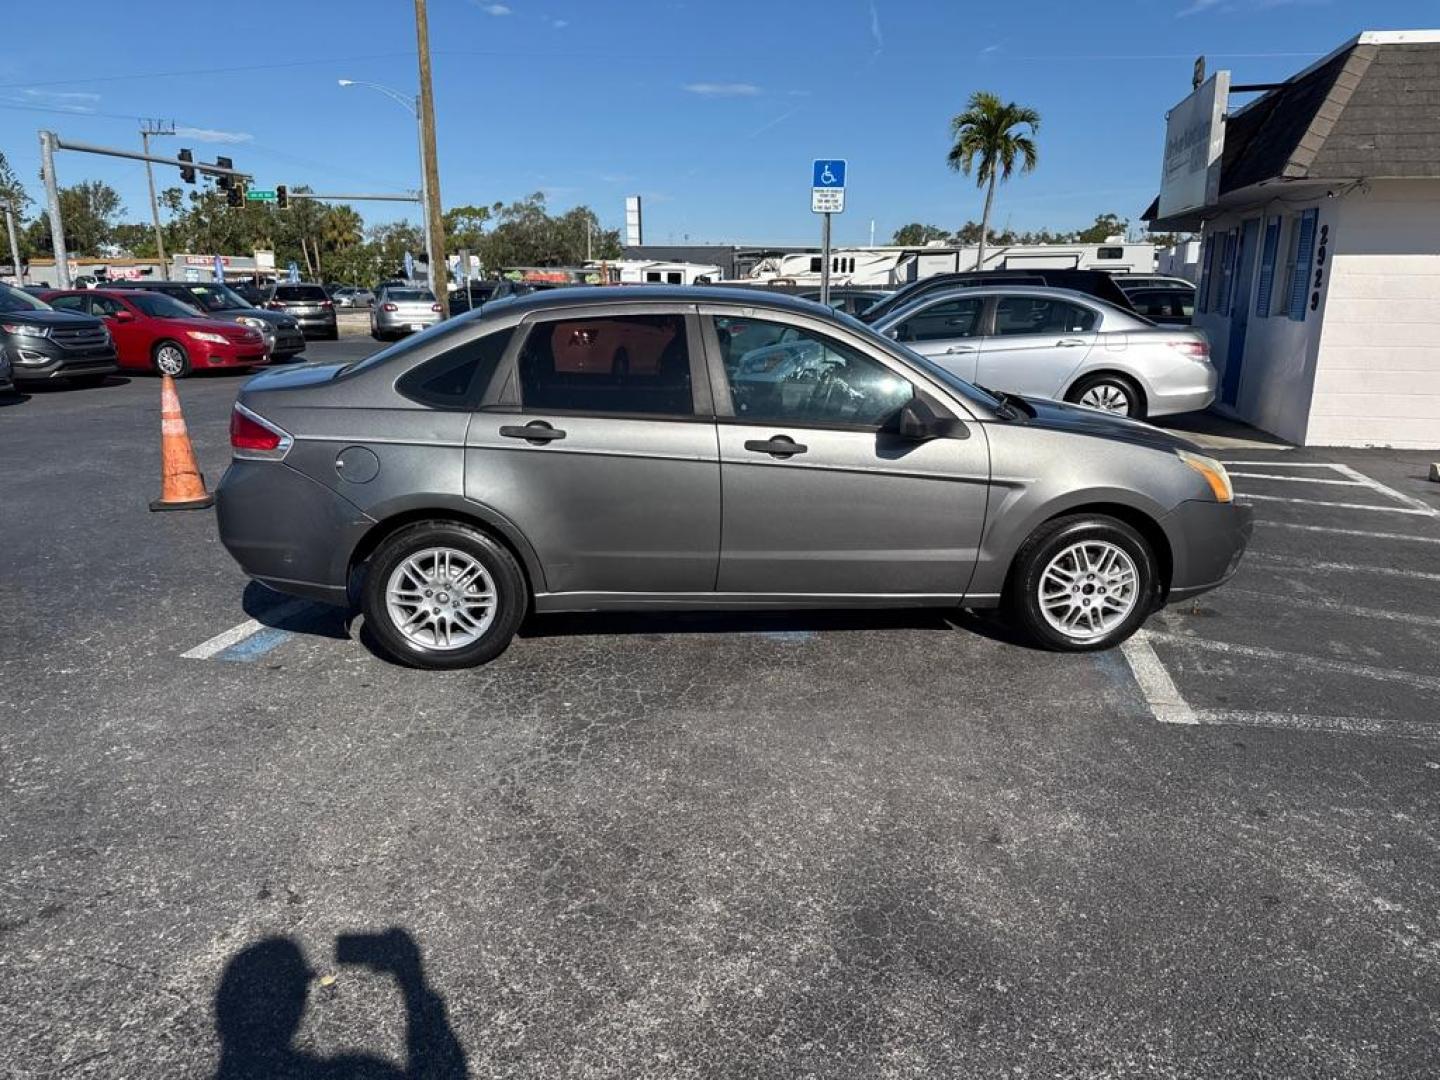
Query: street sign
[[219, 270], [259, 196], [827, 186], [293, 272]]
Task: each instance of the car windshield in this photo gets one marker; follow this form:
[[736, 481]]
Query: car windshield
[[18, 300], [410, 295], [217, 297], [161, 306]]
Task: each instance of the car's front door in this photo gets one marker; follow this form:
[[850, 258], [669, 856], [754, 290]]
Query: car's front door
[[1036, 344], [948, 332], [602, 451], [822, 498]]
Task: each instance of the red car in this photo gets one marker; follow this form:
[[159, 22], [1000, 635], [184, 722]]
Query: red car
[[154, 332]]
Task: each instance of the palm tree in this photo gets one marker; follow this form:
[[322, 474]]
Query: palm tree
[[987, 130]]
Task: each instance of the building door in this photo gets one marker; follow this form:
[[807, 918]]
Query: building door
[[1240, 310]]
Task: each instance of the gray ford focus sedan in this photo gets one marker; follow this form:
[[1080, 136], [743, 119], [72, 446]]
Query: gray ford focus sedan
[[698, 448]]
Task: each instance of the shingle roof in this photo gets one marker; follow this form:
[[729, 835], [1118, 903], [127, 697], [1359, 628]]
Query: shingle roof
[[1371, 110]]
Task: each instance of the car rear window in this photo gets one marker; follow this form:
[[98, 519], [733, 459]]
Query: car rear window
[[456, 379], [628, 365], [300, 292], [409, 295]]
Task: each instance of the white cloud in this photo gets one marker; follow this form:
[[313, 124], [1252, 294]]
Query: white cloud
[[1196, 7], [722, 89], [988, 49], [62, 100], [875, 32], [559, 24], [212, 135], [495, 9]]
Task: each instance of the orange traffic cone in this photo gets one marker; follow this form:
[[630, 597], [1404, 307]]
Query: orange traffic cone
[[181, 485]]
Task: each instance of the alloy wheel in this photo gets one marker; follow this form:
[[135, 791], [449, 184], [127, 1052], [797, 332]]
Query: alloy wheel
[[441, 598], [1107, 397], [1088, 589], [169, 360]]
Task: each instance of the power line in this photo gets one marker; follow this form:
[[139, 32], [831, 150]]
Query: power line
[[205, 71]]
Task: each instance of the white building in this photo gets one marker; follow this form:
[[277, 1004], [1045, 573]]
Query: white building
[[1320, 267]]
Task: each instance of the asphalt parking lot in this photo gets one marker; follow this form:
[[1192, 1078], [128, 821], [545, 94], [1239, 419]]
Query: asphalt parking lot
[[818, 845]]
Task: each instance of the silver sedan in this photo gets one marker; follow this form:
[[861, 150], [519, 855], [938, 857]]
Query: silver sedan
[[1059, 344], [400, 310]]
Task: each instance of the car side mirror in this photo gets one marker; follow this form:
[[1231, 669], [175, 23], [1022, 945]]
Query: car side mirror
[[123, 316], [893, 333], [919, 422]]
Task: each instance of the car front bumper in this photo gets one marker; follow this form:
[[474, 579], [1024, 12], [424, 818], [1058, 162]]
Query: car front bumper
[[1207, 542], [38, 360]]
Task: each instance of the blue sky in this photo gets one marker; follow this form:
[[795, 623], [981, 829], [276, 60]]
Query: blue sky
[[711, 110]]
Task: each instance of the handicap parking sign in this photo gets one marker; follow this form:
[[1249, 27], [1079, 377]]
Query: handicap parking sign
[[827, 186]]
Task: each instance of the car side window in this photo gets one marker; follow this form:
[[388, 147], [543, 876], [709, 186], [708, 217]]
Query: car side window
[[939, 322], [105, 306], [617, 364], [69, 303], [787, 374], [457, 377], [1041, 315]]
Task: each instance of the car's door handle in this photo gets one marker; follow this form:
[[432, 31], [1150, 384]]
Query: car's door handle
[[960, 348], [536, 431], [1070, 342], [781, 446]]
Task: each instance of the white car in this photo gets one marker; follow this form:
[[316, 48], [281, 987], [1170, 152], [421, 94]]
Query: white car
[[1059, 344]]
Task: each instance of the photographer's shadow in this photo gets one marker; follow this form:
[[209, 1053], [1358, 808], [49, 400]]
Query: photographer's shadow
[[261, 1001]]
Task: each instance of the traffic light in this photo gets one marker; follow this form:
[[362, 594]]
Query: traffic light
[[235, 195], [225, 182], [282, 196], [187, 174]]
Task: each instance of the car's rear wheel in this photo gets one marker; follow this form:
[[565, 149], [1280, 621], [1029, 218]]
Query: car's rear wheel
[[439, 594], [1082, 583], [170, 358], [1110, 393]]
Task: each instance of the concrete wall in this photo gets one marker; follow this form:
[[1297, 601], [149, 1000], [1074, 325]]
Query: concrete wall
[[1377, 380]]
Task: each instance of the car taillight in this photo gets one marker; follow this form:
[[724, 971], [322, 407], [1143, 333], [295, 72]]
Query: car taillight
[[252, 436], [1194, 349], [434, 307], [327, 303], [388, 307]]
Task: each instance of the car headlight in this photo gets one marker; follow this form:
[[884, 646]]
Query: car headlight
[[25, 329], [1213, 472], [252, 322], [205, 335]]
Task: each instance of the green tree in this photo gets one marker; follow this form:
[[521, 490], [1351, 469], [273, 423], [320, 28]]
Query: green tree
[[465, 226], [11, 190], [917, 235], [990, 132], [88, 211], [1106, 226]]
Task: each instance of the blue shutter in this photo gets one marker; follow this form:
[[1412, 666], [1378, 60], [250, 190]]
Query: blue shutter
[[1300, 275], [1207, 273], [1267, 267], [1227, 272]]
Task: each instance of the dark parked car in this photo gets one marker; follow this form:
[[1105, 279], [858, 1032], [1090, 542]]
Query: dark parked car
[[469, 297], [567, 452], [1132, 282], [283, 337], [1167, 307], [1094, 283], [309, 305], [45, 345]]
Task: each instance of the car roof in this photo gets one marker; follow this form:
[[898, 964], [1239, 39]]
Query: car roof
[[965, 292], [604, 295]]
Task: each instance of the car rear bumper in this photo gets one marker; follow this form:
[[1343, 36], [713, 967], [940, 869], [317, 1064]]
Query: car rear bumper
[[1207, 542], [1188, 388], [287, 530], [400, 323]]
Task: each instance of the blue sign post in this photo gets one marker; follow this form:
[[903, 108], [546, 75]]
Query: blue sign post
[[827, 196]]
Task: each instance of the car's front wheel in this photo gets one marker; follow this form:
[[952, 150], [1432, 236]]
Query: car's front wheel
[[1109, 393], [439, 594], [1082, 583], [170, 358]]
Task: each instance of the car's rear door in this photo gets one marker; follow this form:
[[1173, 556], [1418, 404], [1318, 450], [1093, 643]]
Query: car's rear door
[[822, 500], [600, 447], [948, 332], [1036, 343]]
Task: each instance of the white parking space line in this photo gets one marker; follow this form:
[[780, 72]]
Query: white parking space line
[[1347, 532], [1418, 505], [1343, 725], [241, 632], [1301, 660], [1297, 479], [1427, 511], [1319, 603], [1161, 694], [1282, 464], [1338, 567]]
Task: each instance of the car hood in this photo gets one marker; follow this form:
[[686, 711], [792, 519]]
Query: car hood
[[224, 327], [1079, 420], [50, 318], [274, 318]]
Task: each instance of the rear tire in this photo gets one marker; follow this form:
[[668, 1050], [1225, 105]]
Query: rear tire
[[442, 595], [170, 358], [1109, 392], [1082, 583]]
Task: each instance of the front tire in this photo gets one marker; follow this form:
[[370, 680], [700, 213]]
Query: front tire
[[1082, 583], [443, 595], [1110, 393], [170, 358]]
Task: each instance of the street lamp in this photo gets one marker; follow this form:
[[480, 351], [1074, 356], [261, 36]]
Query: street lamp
[[413, 105]]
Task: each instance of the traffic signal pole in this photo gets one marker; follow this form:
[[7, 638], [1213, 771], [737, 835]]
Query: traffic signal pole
[[50, 142]]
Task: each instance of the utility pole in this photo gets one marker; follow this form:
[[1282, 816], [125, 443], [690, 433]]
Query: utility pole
[[52, 205], [14, 242], [430, 165], [155, 127]]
